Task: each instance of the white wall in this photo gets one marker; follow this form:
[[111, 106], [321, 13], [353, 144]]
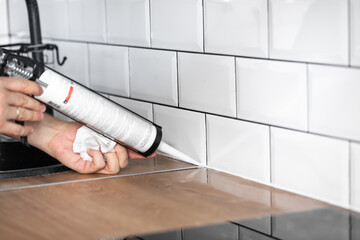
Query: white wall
[[264, 89], [4, 22]]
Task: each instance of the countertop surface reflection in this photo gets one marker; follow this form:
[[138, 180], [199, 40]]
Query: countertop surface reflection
[[153, 165], [163, 196], [317, 224]]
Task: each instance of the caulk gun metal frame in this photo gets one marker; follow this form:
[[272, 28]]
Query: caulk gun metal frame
[[31, 69], [19, 66], [15, 65]]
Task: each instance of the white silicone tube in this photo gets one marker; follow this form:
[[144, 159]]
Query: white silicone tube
[[103, 116], [96, 112]]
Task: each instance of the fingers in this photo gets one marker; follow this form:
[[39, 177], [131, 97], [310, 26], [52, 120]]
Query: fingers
[[22, 85], [134, 155], [22, 114], [114, 160], [22, 100], [122, 155], [13, 129], [112, 164], [98, 162]]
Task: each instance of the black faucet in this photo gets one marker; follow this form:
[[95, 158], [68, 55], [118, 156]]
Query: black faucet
[[35, 27], [35, 32]]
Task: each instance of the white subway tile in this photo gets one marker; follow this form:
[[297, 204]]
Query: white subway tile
[[334, 101], [109, 69], [87, 20], [142, 108], [207, 83], [15, 39], [355, 176], [272, 92], [309, 30], [76, 65], [183, 130], [128, 22], [4, 28], [5, 40], [239, 148], [237, 27], [355, 32], [18, 17], [153, 76], [177, 24], [311, 165], [54, 18]]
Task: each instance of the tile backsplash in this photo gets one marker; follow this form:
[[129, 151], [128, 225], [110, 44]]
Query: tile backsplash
[[263, 89], [309, 30], [128, 22]]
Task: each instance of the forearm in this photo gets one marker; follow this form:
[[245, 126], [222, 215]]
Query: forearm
[[44, 131]]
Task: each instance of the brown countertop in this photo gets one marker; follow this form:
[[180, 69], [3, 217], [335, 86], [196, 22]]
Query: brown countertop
[[93, 207]]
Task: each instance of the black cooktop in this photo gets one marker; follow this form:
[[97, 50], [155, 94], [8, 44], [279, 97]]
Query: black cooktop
[[319, 224]]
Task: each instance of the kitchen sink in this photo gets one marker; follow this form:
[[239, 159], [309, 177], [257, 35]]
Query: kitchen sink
[[17, 160]]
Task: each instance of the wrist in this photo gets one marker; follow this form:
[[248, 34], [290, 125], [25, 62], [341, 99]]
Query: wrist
[[44, 131]]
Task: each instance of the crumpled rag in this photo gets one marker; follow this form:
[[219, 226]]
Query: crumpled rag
[[87, 138]]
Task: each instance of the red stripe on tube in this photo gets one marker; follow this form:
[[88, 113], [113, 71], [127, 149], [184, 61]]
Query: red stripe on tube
[[69, 94]]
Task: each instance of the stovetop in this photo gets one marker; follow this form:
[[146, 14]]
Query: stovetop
[[318, 224]]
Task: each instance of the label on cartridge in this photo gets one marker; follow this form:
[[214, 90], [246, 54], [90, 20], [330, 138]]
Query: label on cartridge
[[96, 112]]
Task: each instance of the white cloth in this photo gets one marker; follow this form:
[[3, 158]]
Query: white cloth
[[87, 138]]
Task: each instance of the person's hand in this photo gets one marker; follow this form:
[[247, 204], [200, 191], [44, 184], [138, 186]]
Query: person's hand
[[16, 105], [60, 138]]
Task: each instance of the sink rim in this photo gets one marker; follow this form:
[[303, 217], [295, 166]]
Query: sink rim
[[36, 171]]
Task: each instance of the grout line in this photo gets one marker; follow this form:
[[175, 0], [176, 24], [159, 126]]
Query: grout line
[[87, 81], [239, 119], [8, 18], [129, 69], [307, 98], [203, 23], [349, 32], [106, 21], [268, 29], [150, 23], [177, 79], [102, 178], [236, 90], [207, 53]]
